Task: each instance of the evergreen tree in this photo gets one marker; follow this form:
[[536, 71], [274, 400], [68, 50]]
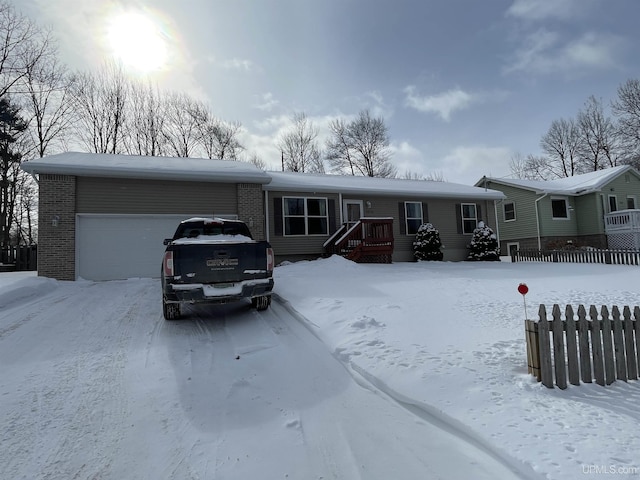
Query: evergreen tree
[[11, 126], [427, 244], [484, 244]]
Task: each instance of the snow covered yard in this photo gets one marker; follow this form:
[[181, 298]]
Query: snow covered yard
[[94, 384]]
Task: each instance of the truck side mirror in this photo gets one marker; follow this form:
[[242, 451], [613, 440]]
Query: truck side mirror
[[167, 241]]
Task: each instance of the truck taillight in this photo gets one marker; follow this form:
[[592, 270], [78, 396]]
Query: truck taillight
[[270, 259], [168, 264]]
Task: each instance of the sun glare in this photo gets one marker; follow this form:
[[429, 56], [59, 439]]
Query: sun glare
[[137, 41]]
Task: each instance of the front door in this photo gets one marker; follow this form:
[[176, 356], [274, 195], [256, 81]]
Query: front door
[[352, 211]]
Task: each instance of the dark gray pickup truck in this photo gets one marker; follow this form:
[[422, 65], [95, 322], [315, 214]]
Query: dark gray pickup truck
[[214, 260]]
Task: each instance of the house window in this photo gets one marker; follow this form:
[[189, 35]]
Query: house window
[[305, 216], [631, 202], [559, 208], [613, 203], [413, 216], [509, 211], [469, 217]]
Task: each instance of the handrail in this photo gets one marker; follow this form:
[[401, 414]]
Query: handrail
[[331, 239], [622, 221]]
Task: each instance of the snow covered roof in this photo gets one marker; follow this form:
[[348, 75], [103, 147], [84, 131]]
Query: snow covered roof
[[306, 182], [147, 167], [576, 185]]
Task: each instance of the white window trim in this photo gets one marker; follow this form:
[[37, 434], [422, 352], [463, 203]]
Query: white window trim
[[504, 212], [635, 201], [566, 207], [306, 217], [463, 218], [406, 218]]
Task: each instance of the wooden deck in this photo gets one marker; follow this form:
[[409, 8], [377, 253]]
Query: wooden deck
[[370, 240]]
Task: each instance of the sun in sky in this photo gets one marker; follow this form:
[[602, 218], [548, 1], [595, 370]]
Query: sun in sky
[[137, 40]]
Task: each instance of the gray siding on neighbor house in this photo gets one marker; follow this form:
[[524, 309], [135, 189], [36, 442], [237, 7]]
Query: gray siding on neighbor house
[[524, 226], [589, 214], [561, 227], [441, 212], [627, 184]]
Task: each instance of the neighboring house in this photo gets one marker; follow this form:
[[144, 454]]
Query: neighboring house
[[575, 210], [104, 217]]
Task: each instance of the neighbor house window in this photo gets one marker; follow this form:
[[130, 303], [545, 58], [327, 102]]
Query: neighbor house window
[[305, 216], [509, 211], [469, 217], [413, 216], [559, 208], [631, 202], [613, 203]]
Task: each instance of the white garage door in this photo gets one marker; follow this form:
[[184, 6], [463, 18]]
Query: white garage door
[[112, 247]]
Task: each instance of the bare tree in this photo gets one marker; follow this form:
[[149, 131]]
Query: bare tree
[[22, 43], [437, 176], [361, 147], [144, 123], [183, 116], [627, 109], [562, 144], [299, 147], [48, 86], [219, 139], [254, 159], [99, 102], [598, 138], [338, 148], [530, 167]]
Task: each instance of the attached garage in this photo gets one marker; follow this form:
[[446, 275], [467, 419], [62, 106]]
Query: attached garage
[[112, 247], [104, 217]]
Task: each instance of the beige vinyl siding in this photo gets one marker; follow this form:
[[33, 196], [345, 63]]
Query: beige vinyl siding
[[524, 226], [308, 246], [130, 196]]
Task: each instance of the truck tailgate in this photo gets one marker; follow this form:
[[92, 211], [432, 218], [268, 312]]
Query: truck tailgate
[[219, 262]]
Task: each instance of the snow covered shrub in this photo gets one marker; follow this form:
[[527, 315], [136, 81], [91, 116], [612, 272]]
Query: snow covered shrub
[[427, 244], [484, 244]]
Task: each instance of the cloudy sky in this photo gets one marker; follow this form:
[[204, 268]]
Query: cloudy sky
[[463, 85]]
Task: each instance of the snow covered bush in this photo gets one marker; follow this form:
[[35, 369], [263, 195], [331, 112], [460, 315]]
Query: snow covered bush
[[427, 244], [484, 244]]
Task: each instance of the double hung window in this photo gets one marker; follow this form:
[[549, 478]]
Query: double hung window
[[305, 216]]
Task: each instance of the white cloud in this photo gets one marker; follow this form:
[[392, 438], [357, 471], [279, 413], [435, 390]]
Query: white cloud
[[544, 53], [443, 104], [266, 102], [237, 64], [467, 165], [536, 10]]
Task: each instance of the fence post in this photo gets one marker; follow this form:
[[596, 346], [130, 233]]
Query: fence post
[[596, 342], [572, 346], [533, 348], [618, 344], [609, 367], [545, 351], [558, 348], [583, 345], [632, 367]]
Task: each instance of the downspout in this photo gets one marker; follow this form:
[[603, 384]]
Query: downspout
[[340, 208], [495, 211], [266, 215], [538, 220]]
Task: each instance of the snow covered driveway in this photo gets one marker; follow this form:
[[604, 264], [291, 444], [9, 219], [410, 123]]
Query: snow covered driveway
[[94, 384]]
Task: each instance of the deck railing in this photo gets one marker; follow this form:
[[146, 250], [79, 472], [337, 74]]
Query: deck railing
[[622, 221], [368, 240]]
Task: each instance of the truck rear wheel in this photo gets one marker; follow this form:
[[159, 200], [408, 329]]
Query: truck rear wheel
[[171, 311], [261, 303]]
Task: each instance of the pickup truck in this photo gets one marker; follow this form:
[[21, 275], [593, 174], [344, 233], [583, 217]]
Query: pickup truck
[[214, 260]]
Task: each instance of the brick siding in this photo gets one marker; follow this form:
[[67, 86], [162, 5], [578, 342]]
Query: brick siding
[[56, 244], [251, 209]]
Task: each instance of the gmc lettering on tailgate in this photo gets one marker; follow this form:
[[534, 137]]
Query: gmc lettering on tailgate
[[222, 262]]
